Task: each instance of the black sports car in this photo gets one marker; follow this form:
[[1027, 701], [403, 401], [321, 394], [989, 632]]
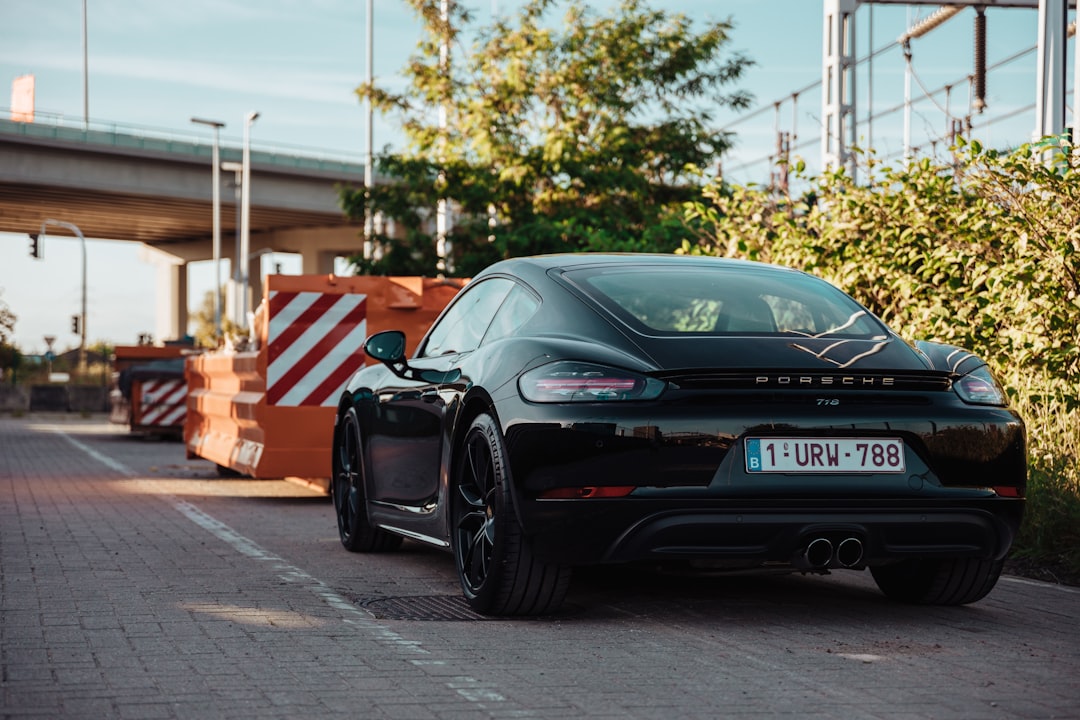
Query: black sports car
[[570, 410]]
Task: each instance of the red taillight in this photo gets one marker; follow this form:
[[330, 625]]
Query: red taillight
[[566, 381], [589, 385], [1008, 491], [979, 388], [587, 492]]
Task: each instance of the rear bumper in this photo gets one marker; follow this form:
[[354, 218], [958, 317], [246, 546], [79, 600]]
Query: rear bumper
[[694, 497], [582, 532]]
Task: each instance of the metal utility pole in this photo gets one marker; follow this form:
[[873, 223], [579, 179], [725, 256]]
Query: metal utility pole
[[245, 219], [232, 303], [369, 173], [1050, 71], [216, 169], [85, 73], [442, 212], [82, 316], [838, 84]]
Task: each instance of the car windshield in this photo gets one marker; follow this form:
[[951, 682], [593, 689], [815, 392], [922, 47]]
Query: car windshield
[[729, 300]]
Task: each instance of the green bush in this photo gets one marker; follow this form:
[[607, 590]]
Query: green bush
[[983, 253]]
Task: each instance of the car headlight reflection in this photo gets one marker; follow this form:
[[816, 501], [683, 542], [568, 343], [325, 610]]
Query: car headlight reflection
[[567, 381]]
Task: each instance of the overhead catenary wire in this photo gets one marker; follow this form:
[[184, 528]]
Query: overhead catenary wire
[[878, 115], [916, 30]]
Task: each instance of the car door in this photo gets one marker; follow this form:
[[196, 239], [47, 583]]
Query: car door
[[405, 445]]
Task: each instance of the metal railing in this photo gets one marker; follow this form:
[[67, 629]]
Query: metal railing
[[124, 136]]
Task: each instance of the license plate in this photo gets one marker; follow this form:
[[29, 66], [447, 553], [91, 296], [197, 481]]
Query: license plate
[[824, 455]]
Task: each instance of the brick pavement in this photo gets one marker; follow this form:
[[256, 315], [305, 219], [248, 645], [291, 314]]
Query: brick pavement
[[126, 593]]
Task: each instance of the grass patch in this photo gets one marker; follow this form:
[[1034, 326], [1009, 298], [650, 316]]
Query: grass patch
[[1048, 545]]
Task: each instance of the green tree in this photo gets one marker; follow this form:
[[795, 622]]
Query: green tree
[[7, 321], [203, 317], [10, 357], [568, 136], [104, 348]]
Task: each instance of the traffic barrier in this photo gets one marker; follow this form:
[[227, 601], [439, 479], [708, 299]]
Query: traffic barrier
[[269, 412], [149, 393], [158, 404]]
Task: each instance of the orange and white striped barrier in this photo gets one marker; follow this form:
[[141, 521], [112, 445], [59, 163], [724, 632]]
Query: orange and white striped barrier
[[162, 404], [315, 345], [269, 413], [149, 391]]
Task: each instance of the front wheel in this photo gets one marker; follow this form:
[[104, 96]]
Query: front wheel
[[495, 564], [925, 581], [350, 493]]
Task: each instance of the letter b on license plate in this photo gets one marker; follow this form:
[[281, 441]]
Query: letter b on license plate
[[824, 455]]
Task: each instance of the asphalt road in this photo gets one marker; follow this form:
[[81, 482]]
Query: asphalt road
[[135, 583]]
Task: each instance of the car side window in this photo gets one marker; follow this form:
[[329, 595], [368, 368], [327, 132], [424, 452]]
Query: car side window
[[465, 322], [518, 307]]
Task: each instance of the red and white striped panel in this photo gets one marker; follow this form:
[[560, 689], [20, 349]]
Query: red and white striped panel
[[164, 403], [314, 345]]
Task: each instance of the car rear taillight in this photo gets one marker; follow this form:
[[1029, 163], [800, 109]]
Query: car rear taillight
[[567, 381], [979, 388]]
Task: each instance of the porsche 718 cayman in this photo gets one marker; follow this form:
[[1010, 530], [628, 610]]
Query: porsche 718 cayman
[[571, 410]]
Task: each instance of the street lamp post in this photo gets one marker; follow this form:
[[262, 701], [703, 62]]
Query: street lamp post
[[216, 163], [232, 306], [85, 73], [442, 211], [82, 317], [369, 173], [245, 216]]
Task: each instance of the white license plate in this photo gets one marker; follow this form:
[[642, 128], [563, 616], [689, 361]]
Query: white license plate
[[824, 455]]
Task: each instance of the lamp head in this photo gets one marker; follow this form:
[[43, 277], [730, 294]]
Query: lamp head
[[211, 123]]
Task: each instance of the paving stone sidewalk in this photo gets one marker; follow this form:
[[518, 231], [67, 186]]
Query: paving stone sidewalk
[[136, 584]]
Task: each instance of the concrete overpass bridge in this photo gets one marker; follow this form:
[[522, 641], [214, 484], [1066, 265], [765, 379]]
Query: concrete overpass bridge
[[157, 191]]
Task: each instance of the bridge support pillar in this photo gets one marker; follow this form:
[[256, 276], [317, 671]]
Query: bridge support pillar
[[172, 300]]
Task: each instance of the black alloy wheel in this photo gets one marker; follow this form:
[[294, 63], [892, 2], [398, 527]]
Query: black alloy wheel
[[350, 495], [495, 564]]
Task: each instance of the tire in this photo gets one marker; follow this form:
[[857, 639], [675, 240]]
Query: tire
[[938, 582], [495, 564], [349, 492]]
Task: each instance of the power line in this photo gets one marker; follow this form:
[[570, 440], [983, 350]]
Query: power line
[[935, 19], [927, 94], [796, 93]]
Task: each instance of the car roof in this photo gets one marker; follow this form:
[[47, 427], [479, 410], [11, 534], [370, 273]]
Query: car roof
[[574, 261]]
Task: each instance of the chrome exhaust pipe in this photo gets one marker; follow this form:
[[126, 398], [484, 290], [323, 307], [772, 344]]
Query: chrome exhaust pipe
[[849, 552], [818, 553]]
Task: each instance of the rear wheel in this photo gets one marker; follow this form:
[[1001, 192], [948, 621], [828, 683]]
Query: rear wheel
[[938, 582], [495, 564], [350, 494]]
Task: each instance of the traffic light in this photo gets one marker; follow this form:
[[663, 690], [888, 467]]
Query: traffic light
[[35, 246], [75, 324]]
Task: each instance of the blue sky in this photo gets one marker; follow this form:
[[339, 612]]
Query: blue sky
[[156, 64]]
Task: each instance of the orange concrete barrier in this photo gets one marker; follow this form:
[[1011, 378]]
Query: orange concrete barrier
[[269, 412], [149, 393]]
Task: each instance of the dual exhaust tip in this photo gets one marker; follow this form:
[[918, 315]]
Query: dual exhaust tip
[[820, 553]]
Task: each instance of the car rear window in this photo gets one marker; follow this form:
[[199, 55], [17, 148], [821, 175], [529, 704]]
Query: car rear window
[[725, 301]]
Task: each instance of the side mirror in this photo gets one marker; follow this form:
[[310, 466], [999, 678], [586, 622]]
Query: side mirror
[[386, 347]]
